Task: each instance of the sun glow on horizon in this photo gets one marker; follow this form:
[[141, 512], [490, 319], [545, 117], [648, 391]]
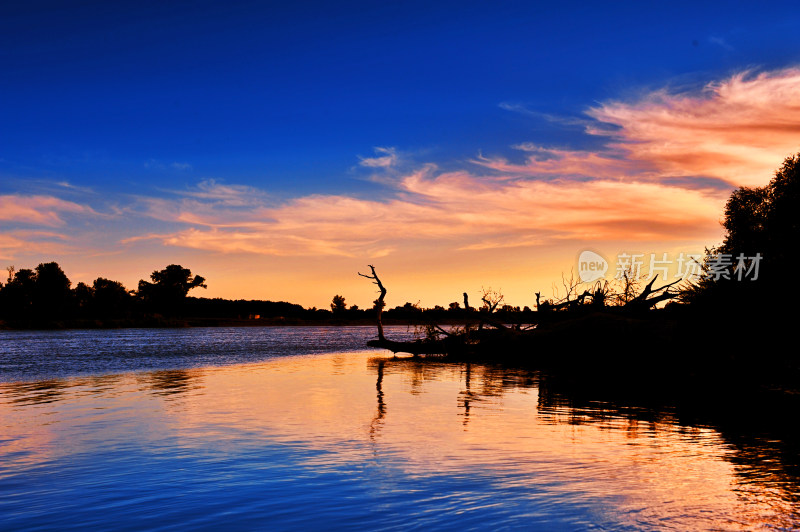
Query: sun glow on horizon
[[658, 183]]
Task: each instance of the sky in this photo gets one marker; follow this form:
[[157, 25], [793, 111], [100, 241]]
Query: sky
[[277, 149]]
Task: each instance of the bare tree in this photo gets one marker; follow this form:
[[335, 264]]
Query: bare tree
[[572, 298], [629, 282], [379, 303], [491, 299]]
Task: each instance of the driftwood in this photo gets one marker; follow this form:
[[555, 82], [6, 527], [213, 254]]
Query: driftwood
[[503, 338], [417, 347], [643, 301]]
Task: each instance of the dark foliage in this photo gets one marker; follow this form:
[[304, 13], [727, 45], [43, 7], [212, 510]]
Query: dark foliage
[[43, 297], [762, 226], [110, 298], [51, 295], [245, 309], [17, 296], [338, 305], [169, 288]]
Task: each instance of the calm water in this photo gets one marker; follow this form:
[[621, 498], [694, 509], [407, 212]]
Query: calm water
[[300, 428]]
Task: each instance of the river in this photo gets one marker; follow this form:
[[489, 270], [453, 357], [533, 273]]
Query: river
[[304, 428]]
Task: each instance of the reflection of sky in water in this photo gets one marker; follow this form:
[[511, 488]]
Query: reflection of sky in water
[[29, 355], [350, 440]]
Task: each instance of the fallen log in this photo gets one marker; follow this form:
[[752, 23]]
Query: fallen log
[[541, 338], [416, 347]]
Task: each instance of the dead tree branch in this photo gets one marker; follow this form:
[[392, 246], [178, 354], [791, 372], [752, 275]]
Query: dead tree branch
[[491, 300], [644, 300], [379, 303]]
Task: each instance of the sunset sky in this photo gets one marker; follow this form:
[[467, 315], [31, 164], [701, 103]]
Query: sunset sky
[[279, 148]]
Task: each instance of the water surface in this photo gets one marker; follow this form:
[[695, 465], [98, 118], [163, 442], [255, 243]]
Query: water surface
[[37, 355], [345, 438]]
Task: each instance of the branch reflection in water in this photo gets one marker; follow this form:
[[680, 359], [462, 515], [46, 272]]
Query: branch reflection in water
[[428, 442], [756, 433]]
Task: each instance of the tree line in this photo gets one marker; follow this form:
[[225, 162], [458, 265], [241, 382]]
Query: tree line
[[45, 293], [45, 296]]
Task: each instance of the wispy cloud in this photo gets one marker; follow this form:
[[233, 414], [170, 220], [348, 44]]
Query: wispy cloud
[[75, 188], [155, 164], [209, 204], [527, 111], [10, 246], [386, 158], [24, 217], [456, 209], [215, 191], [518, 108], [736, 130], [38, 210], [15, 243], [722, 43], [548, 162]]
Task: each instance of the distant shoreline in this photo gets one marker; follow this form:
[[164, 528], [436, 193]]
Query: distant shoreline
[[176, 323]]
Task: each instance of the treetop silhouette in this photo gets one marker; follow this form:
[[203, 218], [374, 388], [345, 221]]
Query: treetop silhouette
[[169, 287]]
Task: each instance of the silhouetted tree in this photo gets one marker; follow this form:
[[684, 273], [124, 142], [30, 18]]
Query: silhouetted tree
[[169, 288], [82, 297], [52, 290], [110, 298], [491, 300], [762, 229], [746, 220], [338, 305], [18, 294]]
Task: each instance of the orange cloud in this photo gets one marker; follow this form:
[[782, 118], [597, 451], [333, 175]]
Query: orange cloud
[[737, 130], [13, 244], [38, 210], [231, 195], [547, 162], [457, 209]]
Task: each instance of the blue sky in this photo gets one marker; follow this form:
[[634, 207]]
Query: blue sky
[[105, 103], [132, 93]]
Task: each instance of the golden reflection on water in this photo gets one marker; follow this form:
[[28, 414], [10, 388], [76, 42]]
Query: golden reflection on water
[[417, 418]]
